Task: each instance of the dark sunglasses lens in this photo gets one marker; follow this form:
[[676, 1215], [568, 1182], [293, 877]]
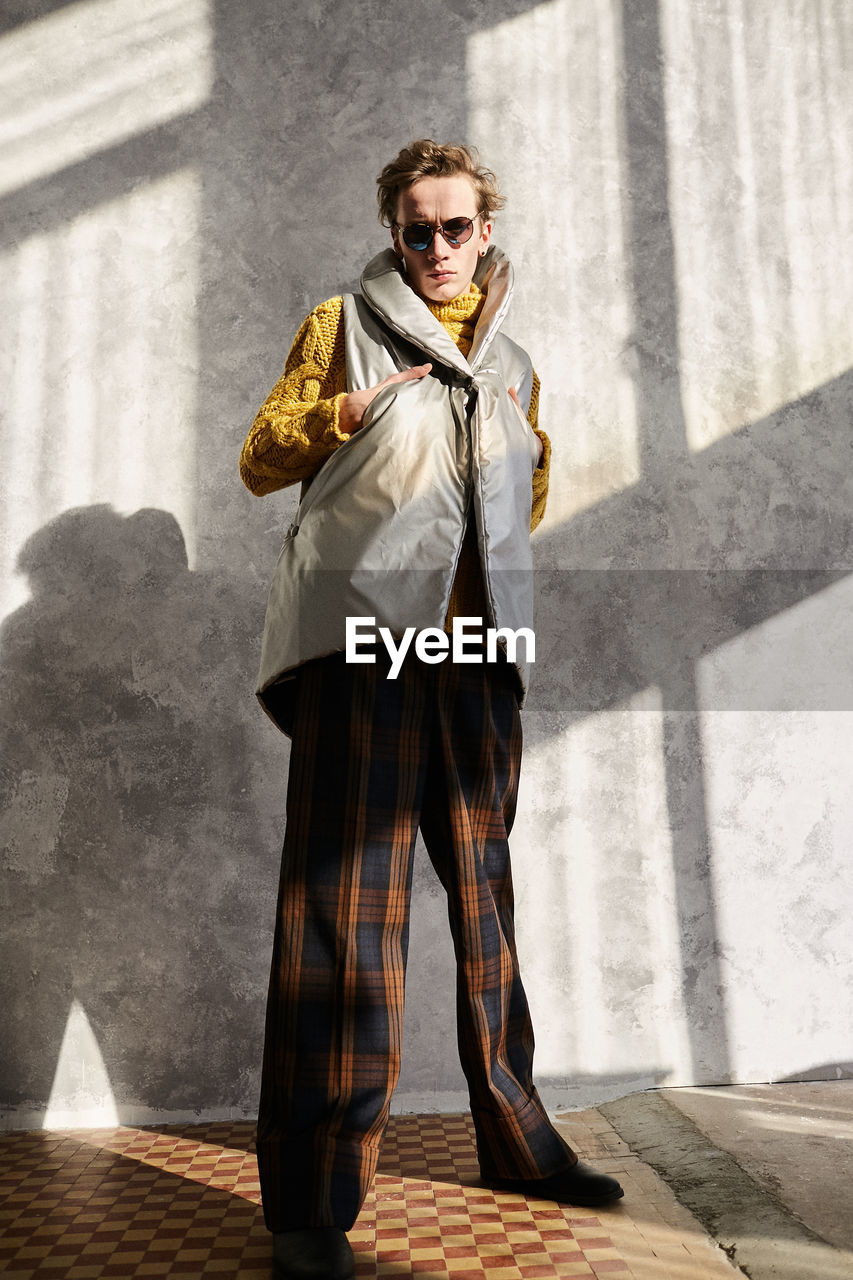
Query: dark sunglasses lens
[[458, 230], [417, 235]]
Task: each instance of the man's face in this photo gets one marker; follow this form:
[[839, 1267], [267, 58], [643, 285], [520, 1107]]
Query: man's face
[[442, 271]]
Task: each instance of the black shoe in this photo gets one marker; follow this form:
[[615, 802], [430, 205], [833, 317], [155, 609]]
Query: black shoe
[[579, 1185], [312, 1253]]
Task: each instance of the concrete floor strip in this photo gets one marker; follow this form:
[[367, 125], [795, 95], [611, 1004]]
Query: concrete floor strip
[[758, 1232]]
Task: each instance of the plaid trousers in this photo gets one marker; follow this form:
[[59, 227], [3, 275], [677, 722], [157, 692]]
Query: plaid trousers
[[372, 759]]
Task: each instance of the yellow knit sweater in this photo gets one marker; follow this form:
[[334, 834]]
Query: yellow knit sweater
[[297, 427]]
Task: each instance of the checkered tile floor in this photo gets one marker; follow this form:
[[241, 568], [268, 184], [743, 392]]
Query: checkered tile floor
[[428, 1216], [129, 1203]]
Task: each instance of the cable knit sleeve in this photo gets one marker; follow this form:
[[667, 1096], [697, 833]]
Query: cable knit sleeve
[[296, 428], [542, 473]]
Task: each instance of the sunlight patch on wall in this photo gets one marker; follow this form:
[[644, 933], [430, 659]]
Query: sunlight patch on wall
[[81, 1095], [777, 716], [94, 74], [545, 111], [760, 138], [100, 365], [596, 799]]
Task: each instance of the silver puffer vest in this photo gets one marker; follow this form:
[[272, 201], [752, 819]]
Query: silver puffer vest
[[379, 529]]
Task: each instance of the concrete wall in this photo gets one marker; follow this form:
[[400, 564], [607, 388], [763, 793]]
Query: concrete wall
[[181, 182]]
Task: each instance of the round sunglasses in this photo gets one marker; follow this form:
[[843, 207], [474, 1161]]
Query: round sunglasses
[[420, 235]]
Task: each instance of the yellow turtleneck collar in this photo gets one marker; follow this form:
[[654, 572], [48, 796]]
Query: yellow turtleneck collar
[[459, 316]]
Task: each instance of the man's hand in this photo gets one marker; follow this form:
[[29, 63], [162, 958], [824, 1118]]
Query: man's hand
[[354, 405], [514, 395]]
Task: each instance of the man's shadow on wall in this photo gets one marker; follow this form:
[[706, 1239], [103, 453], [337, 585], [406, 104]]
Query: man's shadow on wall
[[130, 834]]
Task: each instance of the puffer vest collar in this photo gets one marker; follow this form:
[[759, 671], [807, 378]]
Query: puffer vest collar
[[386, 291]]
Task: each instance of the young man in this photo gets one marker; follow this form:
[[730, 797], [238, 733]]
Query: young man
[[403, 408]]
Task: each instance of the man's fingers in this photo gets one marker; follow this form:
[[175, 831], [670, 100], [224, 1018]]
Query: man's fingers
[[407, 375], [351, 411]]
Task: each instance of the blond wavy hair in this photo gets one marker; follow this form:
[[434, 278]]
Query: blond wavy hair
[[428, 159]]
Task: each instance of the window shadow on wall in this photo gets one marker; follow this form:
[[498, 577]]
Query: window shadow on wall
[[764, 498], [607, 635]]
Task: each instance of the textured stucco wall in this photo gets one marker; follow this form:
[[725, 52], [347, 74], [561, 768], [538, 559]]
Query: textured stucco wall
[[179, 188]]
